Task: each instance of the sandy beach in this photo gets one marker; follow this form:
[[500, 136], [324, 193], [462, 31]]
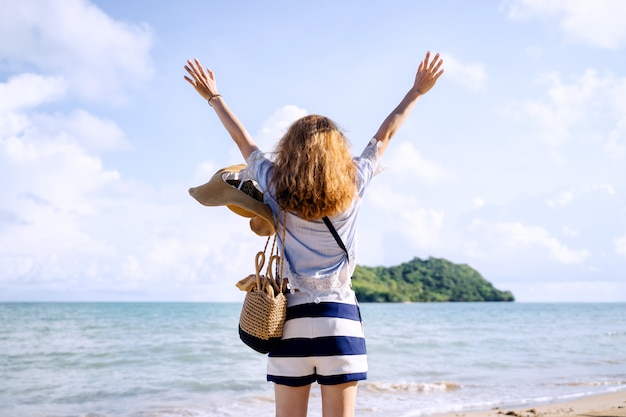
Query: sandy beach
[[602, 405]]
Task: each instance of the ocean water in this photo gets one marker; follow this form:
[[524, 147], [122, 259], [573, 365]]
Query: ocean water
[[185, 359]]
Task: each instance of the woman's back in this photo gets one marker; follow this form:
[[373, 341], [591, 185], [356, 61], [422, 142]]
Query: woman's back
[[315, 262]]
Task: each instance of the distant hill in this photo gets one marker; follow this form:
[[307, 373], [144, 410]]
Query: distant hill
[[424, 281]]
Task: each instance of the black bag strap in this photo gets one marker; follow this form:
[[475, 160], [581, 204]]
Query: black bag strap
[[330, 226]]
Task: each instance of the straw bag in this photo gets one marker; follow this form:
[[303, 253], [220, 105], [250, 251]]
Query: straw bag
[[264, 308]]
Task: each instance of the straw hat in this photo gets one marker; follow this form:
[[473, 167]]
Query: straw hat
[[226, 189]]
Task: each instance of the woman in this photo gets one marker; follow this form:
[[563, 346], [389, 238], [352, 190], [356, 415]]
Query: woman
[[313, 176]]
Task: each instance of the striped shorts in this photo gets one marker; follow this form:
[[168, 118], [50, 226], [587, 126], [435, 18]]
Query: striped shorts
[[321, 342]]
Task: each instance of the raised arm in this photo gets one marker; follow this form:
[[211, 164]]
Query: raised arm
[[427, 75], [204, 83]]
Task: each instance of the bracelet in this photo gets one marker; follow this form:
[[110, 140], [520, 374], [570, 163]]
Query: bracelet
[[212, 97]]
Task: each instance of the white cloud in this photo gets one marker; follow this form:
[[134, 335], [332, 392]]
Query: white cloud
[[21, 94], [533, 52], [405, 161], [620, 245], [517, 235], [65, 220], [98, 57], [90, 131], [607, 188], [598, 23], [562, 199], [569, 232], [49, 195], [275, 126], [616, 145], [568, 291], [29, 90], [57, 171], [69, 223], [403, 216], [472, 76], [477, 202], [565, 106], [567, 197], [590, 106], [203, 173]]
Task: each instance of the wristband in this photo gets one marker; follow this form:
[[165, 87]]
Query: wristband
[[212, 97]]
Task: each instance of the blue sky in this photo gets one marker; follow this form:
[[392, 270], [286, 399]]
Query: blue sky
[[515, 163]]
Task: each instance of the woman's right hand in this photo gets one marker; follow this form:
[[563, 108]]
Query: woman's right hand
[[203, 81]]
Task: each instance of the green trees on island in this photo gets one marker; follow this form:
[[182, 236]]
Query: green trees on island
[[424, 281]]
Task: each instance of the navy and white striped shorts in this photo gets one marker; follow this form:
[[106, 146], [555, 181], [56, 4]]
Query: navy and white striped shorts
[[321, 342]]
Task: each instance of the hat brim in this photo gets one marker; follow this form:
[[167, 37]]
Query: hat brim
[[225, 188]]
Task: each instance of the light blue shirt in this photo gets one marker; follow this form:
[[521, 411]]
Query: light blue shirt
[[314, 260]]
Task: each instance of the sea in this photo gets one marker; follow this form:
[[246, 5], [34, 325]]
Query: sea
[[186, 359]]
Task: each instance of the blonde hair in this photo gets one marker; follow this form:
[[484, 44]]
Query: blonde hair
[[314, 174]]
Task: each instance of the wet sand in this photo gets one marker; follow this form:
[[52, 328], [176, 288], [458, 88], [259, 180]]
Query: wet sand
[[602, 405]]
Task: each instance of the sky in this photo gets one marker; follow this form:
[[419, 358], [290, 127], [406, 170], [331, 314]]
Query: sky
[[515, 162]]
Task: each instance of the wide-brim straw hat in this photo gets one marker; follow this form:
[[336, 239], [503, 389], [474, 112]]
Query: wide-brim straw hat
[[225, 188]]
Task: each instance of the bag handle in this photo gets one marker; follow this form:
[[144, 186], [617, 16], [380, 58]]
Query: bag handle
[[259, 261], [276, 283], [281, 258]]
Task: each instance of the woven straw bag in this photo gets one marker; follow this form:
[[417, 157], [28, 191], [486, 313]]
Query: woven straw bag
[[265, 306]]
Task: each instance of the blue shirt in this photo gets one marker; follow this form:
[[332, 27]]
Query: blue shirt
[[315, 263]]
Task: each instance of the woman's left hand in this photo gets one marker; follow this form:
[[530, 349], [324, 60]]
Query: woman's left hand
[[203, 81], [427, 74]]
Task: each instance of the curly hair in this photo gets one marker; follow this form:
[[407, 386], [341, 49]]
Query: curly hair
[[314, 174]]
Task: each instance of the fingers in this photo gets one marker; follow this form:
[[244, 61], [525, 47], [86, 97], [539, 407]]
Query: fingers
[[199, 68], [435, 68], [428, 73], [426, 58], [436, 77], [190, 68], [432, 67], [195, 69], [434, 64], [198, 76]]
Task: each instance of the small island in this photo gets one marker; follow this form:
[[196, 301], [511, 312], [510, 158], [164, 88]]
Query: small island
[[430, 280]]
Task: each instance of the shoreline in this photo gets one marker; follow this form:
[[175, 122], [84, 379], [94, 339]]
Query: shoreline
[[612, 404]]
